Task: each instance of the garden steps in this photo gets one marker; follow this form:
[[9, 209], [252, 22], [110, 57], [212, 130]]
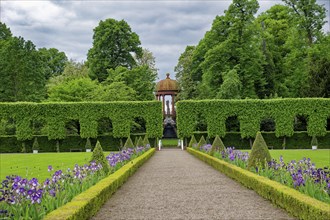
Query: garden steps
[[175, 185]]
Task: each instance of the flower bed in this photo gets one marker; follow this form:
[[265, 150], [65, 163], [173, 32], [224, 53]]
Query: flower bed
[[293, 201], [21, 198]]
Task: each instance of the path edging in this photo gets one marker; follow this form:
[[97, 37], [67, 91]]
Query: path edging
[[293, 201], [88, 203]]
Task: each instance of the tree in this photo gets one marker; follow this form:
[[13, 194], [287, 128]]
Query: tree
[[231, 86], [310, 18], [5, 32], [184, 74], [141, 79], [113, 45], [116, 91], [147, 59], [21, 71], [76, 90], [55, 61], [241, 46]]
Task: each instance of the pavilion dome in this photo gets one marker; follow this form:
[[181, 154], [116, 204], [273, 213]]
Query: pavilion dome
[[167, 84]]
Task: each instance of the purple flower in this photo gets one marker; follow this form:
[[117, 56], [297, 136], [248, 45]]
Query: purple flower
[[50, 168]]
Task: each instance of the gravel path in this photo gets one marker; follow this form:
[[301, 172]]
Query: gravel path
[[175, 185]]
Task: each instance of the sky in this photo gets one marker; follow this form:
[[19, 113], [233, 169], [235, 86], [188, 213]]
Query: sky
[[164, 27]]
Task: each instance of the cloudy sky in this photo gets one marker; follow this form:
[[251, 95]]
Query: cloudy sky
[[164, 27]]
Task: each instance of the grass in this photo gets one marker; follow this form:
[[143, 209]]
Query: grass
[[320, 157], [170, 142], [36, 165]]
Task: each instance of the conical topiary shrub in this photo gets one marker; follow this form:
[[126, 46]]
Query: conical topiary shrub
[[129, 143], [314, 143], [201, 142], [98, 157], [259, 154], [139, 142], [193, 143], [217, 145], [35, 145], [88, 145], [146, 142]]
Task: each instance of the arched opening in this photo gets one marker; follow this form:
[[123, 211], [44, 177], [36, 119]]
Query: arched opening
[[39, 127], [300, 123], [201, 123], [72, 127], [267, 124], [232, 124], [104, 126], [7, 126], [138, 125]]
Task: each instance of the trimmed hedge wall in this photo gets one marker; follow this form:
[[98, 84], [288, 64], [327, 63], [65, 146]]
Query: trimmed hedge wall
[[250, 112], [10, 144], [299, 140], [88, 203], [296, 203], [88, 113]]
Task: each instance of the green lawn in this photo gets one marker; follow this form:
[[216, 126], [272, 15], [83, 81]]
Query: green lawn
[[321, 158], [170, 142], [36, 165]]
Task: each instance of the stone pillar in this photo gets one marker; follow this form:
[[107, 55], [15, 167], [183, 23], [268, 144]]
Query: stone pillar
[[163, 96], [173, 111]]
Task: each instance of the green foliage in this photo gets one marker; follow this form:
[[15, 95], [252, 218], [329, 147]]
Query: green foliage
[[35, 145], [21, 71], [231, 86], [146, 141], [23, 149], [129, 143], [260, 153], [56, 115], [314, 141], [296, 203], [250, 113], [217, 145], [193, 143], [98, 157], [113, 45], [139, 142], [88, 144], [201, 142], [5, 32], [54, 60]]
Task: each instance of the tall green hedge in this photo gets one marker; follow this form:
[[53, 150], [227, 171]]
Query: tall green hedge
[[250, 112], [56, 115]]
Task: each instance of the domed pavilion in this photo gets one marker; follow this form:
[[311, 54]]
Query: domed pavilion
[[164, 88]]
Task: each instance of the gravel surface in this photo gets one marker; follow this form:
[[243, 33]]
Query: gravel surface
[[175, 185]]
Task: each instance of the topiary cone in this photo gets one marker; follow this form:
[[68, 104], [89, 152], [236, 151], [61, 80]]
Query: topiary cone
[[146, 141], [201, 142], [139, 142], [217, 145], [192, 143], [260, 153], [129, 143], [98, 157]]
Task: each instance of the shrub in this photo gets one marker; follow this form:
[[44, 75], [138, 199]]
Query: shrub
[[35, 145], [88, 144], [129, 143], [314, 141], [193, 143], [98, 157], [260, 153], [201, 142], [139, 142], [146, 141], [217, 145]]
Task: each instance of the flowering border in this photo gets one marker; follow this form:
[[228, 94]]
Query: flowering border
[[296, 203], [88, 203]]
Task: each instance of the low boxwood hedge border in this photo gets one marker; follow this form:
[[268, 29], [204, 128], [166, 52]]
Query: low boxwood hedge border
[[88, 203], [296, 203]]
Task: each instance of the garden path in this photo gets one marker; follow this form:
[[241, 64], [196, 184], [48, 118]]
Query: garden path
[[175, 185]]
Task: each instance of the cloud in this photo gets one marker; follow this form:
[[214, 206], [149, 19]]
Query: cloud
[[164, 27]]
